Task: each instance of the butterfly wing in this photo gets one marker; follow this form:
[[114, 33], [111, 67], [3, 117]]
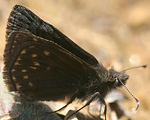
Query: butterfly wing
[[22, 19], [41, 69]]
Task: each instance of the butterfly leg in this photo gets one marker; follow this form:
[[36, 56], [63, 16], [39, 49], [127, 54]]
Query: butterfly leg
[[103, 101], [95, 95], [70, 101], [100, 111]]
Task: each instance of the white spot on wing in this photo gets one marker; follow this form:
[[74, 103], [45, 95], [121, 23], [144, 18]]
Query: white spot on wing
[[30, 84], [34, 68], [13, 70], [24, 70], [36, 64], [34, 38], [14, 78], [17, 63], [18, 58], [46, 52], [34, 55], [25, 77], [23, 51], [18, 86], [31, 46]]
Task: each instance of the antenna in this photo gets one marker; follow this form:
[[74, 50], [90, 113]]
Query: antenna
[[137, 101], [141, 66]]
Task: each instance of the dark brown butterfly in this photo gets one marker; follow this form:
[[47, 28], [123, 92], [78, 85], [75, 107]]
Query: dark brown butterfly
[[41, 63]]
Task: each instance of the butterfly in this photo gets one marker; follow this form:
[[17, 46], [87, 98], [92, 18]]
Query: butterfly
[[41, 63]]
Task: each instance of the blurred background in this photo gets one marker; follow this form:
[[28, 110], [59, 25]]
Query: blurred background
[[116, 32]]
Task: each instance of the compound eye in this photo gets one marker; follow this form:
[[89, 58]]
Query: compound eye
[[111, 79]]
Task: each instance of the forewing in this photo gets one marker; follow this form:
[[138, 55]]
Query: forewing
[[41, 69], [22, 19]]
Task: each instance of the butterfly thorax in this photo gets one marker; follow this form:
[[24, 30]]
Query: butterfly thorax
[[106, 81]]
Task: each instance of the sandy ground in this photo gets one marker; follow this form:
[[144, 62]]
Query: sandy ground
[[117, 33]]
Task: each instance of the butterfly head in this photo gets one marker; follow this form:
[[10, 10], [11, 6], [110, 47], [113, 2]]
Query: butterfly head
[[115, 77]]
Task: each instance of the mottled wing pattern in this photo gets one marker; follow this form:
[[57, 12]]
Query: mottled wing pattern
[[41, 69], [22, 19]]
